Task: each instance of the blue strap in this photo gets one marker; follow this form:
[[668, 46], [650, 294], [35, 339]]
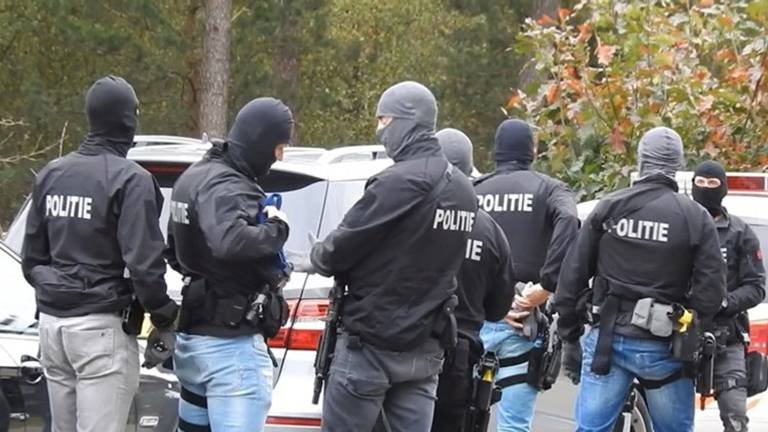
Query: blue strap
[[275, 200]]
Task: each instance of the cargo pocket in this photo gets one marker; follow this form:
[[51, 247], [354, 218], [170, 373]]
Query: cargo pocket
[[91, 352]]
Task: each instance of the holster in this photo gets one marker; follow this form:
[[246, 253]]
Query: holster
[[685, 345], [445, 327], [268, 312], [133, 318]]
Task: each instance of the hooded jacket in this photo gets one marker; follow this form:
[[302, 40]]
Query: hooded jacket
[[537, 213], [214, 232], [94, 215], [399, 248]]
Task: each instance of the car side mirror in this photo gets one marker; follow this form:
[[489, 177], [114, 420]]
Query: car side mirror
[[31, 370]]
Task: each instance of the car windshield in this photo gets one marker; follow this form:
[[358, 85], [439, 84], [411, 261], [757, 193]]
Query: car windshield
[[17, 310]]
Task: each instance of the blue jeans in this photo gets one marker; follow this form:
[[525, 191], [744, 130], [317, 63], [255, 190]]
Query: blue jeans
[[601, 397], [515, 410], [234, 375]]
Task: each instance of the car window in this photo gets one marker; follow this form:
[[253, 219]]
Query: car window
[[17, 310], [341, 196]]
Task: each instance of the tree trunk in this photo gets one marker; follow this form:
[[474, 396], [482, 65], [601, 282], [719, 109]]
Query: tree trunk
[[190, 86], [285, 65], [528, 73], [215, 76]]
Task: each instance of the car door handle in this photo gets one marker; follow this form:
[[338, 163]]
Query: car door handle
[[31, 370]]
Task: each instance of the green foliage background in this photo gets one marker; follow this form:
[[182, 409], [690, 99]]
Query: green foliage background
[[601, 73]]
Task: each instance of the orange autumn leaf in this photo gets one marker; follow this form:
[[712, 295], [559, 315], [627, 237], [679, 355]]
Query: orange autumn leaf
[[725, 54], [545, 20], [617, 141], [570, 71], [711, 149], [738, 75], [605, 54], [707, 3], [514, 99], [563, 13], [725, 20], [552, 93], [574, 85], [705, 104], [701, 74], [585, 31]]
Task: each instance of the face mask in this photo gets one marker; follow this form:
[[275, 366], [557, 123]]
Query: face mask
[[711, 199]]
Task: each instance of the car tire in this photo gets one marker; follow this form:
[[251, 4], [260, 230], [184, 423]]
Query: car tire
[[5, 413]]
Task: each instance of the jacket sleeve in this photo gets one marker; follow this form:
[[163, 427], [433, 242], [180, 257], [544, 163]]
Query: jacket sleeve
[[751, 289], [387, 197], [170, 249], [565, 222], [227, 226], [141, 244], [579, 266], [708, 276], [35, 249], [501, 291]]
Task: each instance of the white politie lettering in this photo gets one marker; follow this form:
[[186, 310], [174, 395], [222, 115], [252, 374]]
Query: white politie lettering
[[180, 212], [68, 206], [642, 230], [496, 203], [453, 220], [474, 250]]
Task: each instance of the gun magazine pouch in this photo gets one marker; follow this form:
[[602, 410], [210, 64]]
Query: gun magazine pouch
[[757, 373]]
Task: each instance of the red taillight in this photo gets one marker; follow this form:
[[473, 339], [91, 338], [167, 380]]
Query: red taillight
[[747, 183], [164, 168], [293, 421], [758, 336], [304, 327]]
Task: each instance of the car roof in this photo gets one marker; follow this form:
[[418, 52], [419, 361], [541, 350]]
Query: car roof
[[165, 139], [311, 161]]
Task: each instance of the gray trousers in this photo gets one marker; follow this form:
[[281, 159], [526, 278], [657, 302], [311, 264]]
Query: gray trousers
[[730, 368], [92, 370], [365, 381]]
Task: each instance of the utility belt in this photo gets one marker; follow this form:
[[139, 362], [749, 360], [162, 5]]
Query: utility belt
[[266, 311], [662, 320]]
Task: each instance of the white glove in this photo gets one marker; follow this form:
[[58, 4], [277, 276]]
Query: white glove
[[274, 212]]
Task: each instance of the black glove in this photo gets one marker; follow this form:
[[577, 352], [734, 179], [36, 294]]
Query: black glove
[[160, 345], [572, 361]]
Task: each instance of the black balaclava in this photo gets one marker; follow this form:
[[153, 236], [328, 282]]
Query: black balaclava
[[711, 198], [513, 143], [457, 148], [413, 109], [112, 109], [259, 127], [660, 152]]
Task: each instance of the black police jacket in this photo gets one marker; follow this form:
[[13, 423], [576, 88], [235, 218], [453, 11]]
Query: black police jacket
[[93, 215], [667, 250], [538, 215], [399, 249], [486, 278], [746, 274], [214, 234]]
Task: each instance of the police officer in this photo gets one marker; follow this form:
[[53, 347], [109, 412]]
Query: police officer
[[398, 249], [217, 240], [538, 216], [746, 289], [93, 220], [648, 249], [485, 290]]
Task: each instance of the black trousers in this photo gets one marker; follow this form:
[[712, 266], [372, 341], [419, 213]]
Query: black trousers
[[454, 388]]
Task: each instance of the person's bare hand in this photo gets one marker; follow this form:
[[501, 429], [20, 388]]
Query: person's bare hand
[[515, 318]]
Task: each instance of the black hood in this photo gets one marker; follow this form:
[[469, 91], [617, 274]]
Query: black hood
[[711, 198], [513, 143], [259, 127], [112, 109]]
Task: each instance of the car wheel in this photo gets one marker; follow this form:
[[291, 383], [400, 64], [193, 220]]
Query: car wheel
[[639, 418]]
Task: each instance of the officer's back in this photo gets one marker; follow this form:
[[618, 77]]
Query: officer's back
[[536, 212]]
